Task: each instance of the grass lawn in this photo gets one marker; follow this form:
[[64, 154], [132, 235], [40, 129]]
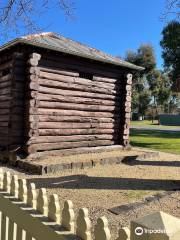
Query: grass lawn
[[148, 123], [144, 123], [158, 140]]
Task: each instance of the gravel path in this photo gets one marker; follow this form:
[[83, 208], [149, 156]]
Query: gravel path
[[109, 186]]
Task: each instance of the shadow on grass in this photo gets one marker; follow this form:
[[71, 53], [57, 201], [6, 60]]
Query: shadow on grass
[[155, 133], [111, 183]]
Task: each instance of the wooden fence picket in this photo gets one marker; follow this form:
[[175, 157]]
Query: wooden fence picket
[[124, 234], [68, 216], [83, 225], [22, 190], [14, 186], [32, 196], [11, 230], [101, 231], [54, 209], [4, 226], [1, 178], [42, 202], [7, 182]]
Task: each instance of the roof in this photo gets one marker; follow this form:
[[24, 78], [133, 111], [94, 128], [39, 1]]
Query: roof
[[59, 43]]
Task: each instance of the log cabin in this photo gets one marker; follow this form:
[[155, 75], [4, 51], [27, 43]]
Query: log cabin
[[56, 93]]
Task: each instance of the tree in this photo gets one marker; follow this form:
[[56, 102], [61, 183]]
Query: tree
[[23, 14], [152, 87], [159, 85], [144, 57], [171, 50], [172, 7]]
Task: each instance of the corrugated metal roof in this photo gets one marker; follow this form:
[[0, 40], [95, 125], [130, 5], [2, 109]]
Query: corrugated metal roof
[[59, 43]]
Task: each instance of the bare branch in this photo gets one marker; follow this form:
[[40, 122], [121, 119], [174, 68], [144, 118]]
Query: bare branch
[[172, 8], [21, 15]]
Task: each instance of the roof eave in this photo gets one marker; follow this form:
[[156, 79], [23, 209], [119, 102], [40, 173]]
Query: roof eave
[[24, 41]]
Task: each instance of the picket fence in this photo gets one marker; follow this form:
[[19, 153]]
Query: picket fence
[[27, 214]]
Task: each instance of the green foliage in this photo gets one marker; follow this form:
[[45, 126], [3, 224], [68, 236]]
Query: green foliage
[[152, 87], [171, 49], [144, 100], [144, 57]]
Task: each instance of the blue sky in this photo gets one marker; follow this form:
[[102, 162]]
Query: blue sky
[[112, 26]]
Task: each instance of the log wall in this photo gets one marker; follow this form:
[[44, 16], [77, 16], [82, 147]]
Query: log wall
[[50, 102], [67, 110], [12, 75]]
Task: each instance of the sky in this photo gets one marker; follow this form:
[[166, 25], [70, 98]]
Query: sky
[[112, 26]]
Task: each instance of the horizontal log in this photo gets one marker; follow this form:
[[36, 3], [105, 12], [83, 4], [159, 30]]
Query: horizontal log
[[8, 104], [72, 125], [49, 118], [66, 132], [5, 91], [4, 141], [73, 138], [5, 97], [6, 65], [4, 118], [58, 71], [72, 99], [4, 111], [67, 145], [77, 80], [77, 93], [5, 84], [69, 86], [72, 106], [4, 124], [5, 104], [6, 78], [15, 118], [107, 80], [62, 112], [4, 130]]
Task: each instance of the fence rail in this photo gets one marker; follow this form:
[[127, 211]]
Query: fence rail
[[28, 214]]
